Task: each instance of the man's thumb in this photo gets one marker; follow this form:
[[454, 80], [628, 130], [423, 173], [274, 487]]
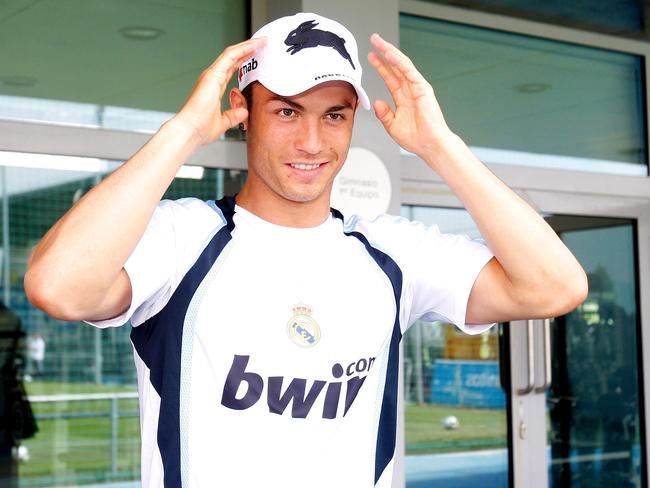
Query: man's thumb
[[235, 115], [383, 112]]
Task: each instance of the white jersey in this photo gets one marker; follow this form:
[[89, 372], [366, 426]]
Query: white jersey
[[268, 355]]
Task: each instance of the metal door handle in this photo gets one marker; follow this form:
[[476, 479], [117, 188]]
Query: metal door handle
[[530, 386], [548, 374], [504, 366]]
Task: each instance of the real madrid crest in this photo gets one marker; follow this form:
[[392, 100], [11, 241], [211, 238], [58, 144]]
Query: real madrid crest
[[302, 328]]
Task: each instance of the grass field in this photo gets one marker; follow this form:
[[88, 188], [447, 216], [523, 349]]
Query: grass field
[[78, 449], [478, 429]]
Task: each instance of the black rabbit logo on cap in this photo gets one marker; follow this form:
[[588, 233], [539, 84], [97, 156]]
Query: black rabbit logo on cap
[[305, 36]]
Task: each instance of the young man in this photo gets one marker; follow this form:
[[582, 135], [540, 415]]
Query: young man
[[266, 326]]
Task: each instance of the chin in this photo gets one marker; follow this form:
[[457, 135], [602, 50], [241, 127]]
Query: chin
[[304, 196]]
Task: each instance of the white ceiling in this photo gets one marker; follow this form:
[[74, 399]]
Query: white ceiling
[[74, 50]]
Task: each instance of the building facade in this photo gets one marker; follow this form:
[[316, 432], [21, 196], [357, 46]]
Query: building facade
[[552, 96]]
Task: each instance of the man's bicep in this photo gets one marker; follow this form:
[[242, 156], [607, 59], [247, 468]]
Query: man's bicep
[[492, 298], [117, 299]]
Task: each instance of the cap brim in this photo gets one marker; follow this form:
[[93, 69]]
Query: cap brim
[[363, 96]]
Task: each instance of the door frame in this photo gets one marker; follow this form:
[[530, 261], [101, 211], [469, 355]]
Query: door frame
[[546, 190], [551, 190], [566, 192]]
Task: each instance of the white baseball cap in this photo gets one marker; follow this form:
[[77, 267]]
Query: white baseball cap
[[302, 51]]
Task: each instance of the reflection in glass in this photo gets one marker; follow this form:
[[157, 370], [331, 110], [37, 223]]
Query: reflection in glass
[[593, 404], [83, 389], [616, 17], [455, 406], [455, 418], [530, 101]]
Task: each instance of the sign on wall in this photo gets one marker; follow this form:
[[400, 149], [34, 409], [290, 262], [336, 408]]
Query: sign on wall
[[363, 186], [473, 384]]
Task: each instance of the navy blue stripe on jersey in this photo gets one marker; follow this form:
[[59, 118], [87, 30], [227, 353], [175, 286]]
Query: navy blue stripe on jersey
[[386, 436], [158, 342], [227, 206]]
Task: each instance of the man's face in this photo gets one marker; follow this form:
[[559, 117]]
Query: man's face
[[297, 145]]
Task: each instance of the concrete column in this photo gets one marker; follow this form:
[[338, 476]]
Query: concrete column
[[362, 18]]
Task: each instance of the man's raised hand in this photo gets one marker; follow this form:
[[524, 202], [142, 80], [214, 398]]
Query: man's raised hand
[[201, 112], [417, 123]]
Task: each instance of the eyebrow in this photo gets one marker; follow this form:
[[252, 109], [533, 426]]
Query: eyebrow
[[297, 106]]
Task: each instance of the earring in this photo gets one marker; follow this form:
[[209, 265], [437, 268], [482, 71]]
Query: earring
[[242, 127]]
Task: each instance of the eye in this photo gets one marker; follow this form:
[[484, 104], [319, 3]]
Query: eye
[[287, 112], [336, 116]]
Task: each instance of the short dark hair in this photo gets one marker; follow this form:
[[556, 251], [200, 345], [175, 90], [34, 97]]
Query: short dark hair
[[248, 94]]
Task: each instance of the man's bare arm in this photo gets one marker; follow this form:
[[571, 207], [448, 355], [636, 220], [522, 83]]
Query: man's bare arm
[[534, 274], [76, 271]]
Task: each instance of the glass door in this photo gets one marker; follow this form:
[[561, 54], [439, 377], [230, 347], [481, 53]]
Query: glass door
[[594, 401], [540, 403], [456, 427], [576, 389], [455, 411], [79, 380]]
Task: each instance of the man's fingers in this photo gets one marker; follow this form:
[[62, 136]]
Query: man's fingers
[[402, 64], [380, 44], [384, 47], [397, 59], [230, 59], [394, 81], [383, 113], [233, 54], [387, 74], [234, 116]]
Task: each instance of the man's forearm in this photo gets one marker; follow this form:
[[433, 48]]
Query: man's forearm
[[80, 260], [81, 255], [531, 254]]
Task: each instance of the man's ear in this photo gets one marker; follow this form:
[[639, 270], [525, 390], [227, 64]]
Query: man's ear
[[237, 99]]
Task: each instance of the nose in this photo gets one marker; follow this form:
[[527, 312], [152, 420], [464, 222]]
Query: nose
[[309, 138]]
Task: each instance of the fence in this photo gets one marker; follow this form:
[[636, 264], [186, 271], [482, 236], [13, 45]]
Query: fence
[[83, 444]]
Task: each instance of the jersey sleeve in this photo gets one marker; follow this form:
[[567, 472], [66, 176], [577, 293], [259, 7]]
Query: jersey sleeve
[[438, 269], [171, 242]]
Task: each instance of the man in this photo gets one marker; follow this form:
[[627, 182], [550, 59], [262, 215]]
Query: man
[[266, 326], [35, 356]]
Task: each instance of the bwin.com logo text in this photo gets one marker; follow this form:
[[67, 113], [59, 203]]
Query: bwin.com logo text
[[278, 395]]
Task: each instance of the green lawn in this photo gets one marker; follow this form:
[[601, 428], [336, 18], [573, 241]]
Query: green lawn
[[60, 388], [77, 450], [478, 429]]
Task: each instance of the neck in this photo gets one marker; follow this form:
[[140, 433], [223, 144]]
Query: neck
[[278, 210]]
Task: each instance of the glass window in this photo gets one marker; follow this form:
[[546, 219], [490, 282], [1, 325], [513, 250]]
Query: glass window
[[120, 65], [82, 382], [455, 405], [529, 101], [616, 17]]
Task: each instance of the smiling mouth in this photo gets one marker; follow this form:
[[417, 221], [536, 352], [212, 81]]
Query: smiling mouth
[[305, 167]]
